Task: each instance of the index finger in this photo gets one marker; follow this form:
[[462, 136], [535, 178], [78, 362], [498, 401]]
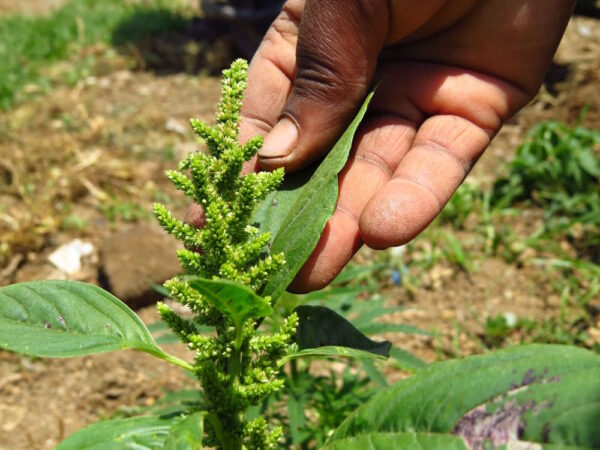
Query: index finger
[[271, 73], [269, 80]]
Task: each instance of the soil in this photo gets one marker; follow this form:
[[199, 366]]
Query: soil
[[8, 7], [87, 160]]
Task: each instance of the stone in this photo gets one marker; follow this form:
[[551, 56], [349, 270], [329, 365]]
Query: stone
[[134, 260], [67, 257], [175, 126]]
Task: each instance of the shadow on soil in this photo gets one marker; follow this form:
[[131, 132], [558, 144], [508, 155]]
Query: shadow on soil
[[587, 8], [168, 43]]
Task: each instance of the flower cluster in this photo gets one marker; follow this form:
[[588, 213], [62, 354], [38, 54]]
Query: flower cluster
[[228, 247]]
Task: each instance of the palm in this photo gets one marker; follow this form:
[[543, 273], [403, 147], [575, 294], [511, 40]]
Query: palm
[[446, 87]]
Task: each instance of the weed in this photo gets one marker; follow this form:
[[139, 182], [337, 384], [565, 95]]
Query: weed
[[74, 222], [496, 330], [455, 252], [465, 201], [558, 169], [117, 209], [30, 43]]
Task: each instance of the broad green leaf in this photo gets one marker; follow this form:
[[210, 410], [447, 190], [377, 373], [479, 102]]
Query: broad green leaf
[[69, 318], [398, 441], [539, 394], [320, 326], [187, 434], [315, 203], [140, 433], [330, 351], [274, 209], [234, 300]]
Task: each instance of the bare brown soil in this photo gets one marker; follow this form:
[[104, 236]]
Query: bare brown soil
[[29, 7], [80, 150]]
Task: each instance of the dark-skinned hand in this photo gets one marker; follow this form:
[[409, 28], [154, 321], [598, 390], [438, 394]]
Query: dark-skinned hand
[[451, 72]]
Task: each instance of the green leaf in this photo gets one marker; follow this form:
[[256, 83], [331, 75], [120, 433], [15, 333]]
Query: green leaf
[[373, 373], [398, 441], [234, 300], [314, 204], [356, 272], [330, 351], [140, 433], [187, 434], [385, 327], [589, 162], [320, 326], [272, 212], [406, 360], [296, 408], [540, 394], [68, 318]]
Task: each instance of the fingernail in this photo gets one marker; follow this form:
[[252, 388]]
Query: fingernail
[[280, 141]]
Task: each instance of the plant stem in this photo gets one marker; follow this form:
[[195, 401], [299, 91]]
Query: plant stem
[[218, 428], [235, 370], [169, 358]]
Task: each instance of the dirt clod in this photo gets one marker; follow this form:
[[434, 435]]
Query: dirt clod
[[135, 259]]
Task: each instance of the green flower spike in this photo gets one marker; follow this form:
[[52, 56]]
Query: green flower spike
[[232, 379]]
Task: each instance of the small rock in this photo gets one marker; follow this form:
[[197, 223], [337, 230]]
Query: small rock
[[31, 88], [527, 255], [448, 314], [437, 275], [123, 76], [584, 30], [133, 260], [398, 252], [67, 257], [508, 294], [175, 126], [510, 318]]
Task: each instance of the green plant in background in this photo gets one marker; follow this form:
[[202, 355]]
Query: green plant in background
[[461, 205], [74, 25], [115, 208], [557, 168]]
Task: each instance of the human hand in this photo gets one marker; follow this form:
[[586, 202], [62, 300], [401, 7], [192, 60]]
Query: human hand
[[451, 72]]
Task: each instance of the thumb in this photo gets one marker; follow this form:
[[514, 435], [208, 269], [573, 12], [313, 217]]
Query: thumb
[[338, 45]]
